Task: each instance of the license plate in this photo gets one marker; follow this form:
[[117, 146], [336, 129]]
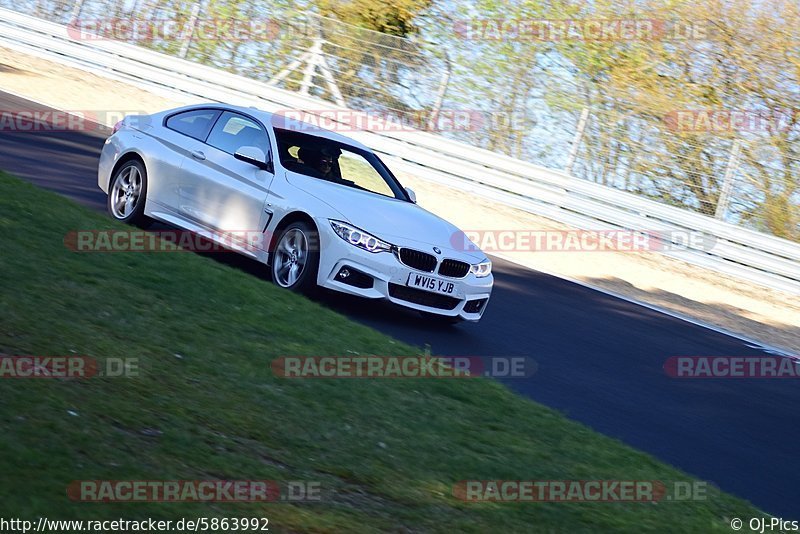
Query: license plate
[[428, 283]]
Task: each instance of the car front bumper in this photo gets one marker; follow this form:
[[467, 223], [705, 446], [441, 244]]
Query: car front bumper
[[382, 276]]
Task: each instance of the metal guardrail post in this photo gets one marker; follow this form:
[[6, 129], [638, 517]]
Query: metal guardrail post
[[727, 181], [314, 59], [576, 142], [308, 73], [77, 9], [440, 94], [188, 32]]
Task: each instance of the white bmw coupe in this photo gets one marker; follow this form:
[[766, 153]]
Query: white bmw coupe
[[328, 211]]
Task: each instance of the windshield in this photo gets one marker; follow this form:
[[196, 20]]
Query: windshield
[[336, 162]]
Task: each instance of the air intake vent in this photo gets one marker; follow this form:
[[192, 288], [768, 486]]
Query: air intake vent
[[423, 298]]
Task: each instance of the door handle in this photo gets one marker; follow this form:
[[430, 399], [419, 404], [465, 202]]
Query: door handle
[[196, 154]]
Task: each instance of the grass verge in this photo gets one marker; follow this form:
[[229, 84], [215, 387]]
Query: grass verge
[[206, 405]]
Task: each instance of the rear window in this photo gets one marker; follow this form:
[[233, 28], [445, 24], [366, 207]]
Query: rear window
[[195, 123]]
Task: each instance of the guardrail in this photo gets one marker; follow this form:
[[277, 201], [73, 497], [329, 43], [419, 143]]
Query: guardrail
[[740, 252]]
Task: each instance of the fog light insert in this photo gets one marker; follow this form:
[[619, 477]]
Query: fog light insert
[[352, 277], [474, 306]]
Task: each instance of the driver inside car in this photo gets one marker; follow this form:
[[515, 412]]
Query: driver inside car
[[326, 166], [322, 161]]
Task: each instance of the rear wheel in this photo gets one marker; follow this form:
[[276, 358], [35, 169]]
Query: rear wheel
[[126, 196], [295, 259]]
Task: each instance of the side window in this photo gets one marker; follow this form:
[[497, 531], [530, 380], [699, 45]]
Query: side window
[[195, 123], [233, 131]]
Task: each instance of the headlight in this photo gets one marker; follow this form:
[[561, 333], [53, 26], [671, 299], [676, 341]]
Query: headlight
[[482, 269], [359, 238]]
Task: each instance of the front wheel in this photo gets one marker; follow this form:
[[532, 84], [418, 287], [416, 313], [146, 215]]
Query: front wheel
[[127, 193], [295, 259]]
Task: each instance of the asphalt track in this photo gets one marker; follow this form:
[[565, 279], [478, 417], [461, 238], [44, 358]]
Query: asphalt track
[[600, 359]]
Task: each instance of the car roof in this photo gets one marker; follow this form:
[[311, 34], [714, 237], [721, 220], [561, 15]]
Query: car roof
[[266, 117]]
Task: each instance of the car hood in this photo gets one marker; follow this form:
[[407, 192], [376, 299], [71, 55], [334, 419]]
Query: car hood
[[399, 222]]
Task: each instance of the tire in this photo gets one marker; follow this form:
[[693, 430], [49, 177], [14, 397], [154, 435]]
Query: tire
[[443, 320], [127, 194], [295, 258]]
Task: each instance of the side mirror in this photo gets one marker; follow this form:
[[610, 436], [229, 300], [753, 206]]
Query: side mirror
[[411, 195], [255, 156]]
